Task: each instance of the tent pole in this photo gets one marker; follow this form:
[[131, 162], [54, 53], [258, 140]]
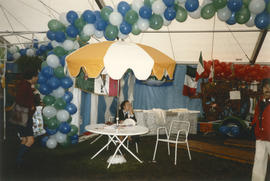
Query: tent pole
[[258, 46], [117, 107]]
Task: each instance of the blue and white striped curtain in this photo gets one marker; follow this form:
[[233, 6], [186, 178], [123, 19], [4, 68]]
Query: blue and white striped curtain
[[145, 97]]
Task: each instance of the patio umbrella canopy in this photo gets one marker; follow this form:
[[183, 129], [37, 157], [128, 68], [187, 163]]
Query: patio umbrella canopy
[[117, 57]]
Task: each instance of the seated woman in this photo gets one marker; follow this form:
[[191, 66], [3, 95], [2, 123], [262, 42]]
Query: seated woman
[[126, 111]]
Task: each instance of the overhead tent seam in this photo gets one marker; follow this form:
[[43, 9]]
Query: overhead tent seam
[[92, 6], [171, 43], [27, 5], [49, 8]]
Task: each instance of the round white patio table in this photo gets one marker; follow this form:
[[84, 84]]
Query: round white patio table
[[113, 132]]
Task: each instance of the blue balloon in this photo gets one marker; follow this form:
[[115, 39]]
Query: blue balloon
[[231, 20], [47, 71], [60, 36], [35, 45], [71, 108], [41, 78], [191, 5], [62, 60], [125, 28], [145, 12], [64, 128], [224, 130], [9, 56], [44, 89], [44, 140], [74, 139], [43, 48], [72, 16], [68, 96], [168, 3], [66, 82], [89, 17], [72, 31], [262, 20], [51, 35], [169, 14], [22, 51], [123, 7], [234, 5], [39, 52], [51, 131], [53, 83], [235, 131], [97, 14], [100, 24], [49, 46]]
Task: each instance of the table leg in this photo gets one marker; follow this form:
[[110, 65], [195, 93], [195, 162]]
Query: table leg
[[122, 143], [111, 138]]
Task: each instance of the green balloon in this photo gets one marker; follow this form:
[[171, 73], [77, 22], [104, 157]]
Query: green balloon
[[111, 32], [37, 86], [242, 16], [84, 38], [44, 64], [181, 14], [246, 3], [268, 7], [66, 143], [69, 119], [59, 72], [60, 103], [208, 11], [48, 100], [219, 4], [82, 43], [53, 123], [105, 13], [71, 38], [135, 29], [149, 2], [59, 51], [79, 23], [131, 17], [55, 25], [156, 22], [73, 130]]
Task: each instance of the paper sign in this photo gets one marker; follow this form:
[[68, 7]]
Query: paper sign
[[235, 95]]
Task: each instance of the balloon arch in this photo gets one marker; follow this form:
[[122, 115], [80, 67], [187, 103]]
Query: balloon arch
[[72, 31]]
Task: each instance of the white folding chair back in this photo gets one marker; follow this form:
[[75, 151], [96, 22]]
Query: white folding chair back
[[177, 134]]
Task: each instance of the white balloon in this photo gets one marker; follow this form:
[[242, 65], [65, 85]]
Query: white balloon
[[30, 52], [89, 29], [53, 61], [205, 2], [224, 14], [62, 115], [98, 34], [13, 49], [51, 143], [16, 55], [63, 19], [55, 44], [49, 111], [195, 14], [59, 92], [27, 45], [115, 18], [137, 4], [122, 36], [46, 39], [143, 24], [256, 6], [251, 21], [158, 7], [60, 137], [76, 45], [68, 45]]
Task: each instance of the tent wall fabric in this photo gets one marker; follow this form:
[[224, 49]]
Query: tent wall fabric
[[145, 97]]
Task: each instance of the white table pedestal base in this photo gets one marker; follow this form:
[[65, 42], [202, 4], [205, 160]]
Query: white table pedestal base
[[118, 159]]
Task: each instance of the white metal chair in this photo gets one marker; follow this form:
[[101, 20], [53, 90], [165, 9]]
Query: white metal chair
[[178, 134], [132, 123]]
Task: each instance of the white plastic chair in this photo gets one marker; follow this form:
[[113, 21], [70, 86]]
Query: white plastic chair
[[178, 134]]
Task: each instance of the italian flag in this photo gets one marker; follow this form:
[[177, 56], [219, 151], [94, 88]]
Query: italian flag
[[190, 84], [200, 68], [104, 85]]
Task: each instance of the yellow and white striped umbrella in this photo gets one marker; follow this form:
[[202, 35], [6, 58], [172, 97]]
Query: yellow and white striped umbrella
[[117, 57]]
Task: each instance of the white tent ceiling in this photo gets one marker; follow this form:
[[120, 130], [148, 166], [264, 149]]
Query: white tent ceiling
[[184, 47]]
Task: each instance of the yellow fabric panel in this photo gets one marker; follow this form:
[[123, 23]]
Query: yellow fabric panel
[[162, 62], [90, 58]]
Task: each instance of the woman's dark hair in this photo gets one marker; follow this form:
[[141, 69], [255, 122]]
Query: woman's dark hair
[[265, 82], [123, 104], [28, 74]]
